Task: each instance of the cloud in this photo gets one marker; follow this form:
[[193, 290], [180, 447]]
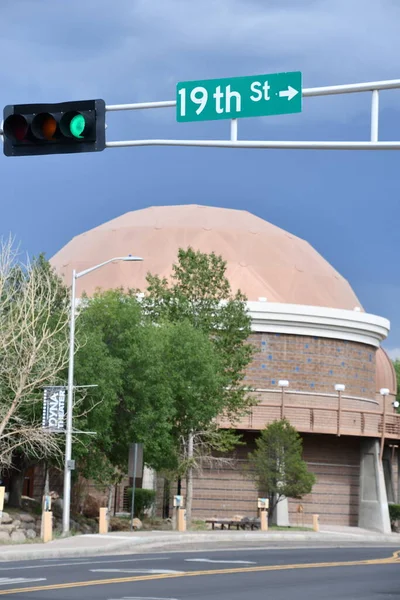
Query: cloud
[[138, 49], [394, 353]]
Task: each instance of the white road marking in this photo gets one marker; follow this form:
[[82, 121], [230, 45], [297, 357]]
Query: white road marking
[[81, 562], [149, 571], [224, 562], [9, 581], [142, 598]]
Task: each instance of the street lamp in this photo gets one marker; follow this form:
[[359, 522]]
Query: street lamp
[[68, 466]]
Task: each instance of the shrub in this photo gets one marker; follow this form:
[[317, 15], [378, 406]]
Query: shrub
[[394, 512], [144, 499]]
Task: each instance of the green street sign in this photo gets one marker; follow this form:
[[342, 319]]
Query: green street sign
[[239, 97]]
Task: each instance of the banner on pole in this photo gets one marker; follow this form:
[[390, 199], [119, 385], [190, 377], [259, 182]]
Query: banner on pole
[[53, 408]]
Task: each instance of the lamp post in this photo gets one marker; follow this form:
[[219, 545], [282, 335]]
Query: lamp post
[[68, 466], [339, 387], [283, 383]]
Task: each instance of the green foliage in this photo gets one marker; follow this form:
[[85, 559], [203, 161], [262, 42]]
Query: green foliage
[[394, 512], [199, 292], [165, 367], [144, 500], [277, 464]]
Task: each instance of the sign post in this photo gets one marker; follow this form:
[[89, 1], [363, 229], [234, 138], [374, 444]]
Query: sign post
[[239, 97]]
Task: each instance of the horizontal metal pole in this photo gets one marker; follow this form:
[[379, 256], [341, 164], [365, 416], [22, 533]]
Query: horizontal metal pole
[[141, 105], [350, 88], [276, 145]]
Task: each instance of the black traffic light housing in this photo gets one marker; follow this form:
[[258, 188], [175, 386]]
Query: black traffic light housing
[[65, 127]]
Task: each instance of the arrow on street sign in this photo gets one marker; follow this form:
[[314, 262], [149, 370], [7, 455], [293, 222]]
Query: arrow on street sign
[[239, 97], [289, 93]]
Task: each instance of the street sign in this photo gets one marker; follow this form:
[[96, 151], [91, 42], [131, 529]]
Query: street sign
[[239, 97]]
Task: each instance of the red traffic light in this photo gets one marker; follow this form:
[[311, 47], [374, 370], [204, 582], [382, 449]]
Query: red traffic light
[[15, 127]]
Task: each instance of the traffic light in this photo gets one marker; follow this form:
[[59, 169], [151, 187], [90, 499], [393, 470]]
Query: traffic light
[[66, 127]]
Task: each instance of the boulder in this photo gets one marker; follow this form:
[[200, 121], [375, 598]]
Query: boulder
[[31, 534], [4, 536], [91, 507], [5, 519], [137, 524], [8, 528], [16, 524], [18, 536], [26, 518]]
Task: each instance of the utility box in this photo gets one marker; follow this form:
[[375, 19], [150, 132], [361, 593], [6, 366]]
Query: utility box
[[178, 501]]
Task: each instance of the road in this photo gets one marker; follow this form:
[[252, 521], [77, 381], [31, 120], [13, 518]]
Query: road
[[241, 574]]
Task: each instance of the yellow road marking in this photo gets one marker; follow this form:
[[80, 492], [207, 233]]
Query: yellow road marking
[[395, 558]]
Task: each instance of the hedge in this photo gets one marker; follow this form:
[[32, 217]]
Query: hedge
[[144, 499]]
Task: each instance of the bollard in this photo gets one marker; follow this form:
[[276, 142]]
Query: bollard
[[315, 519], [263, 506], [103, 520], [264, 519], [181, 518], [2, 494], [47, 526]]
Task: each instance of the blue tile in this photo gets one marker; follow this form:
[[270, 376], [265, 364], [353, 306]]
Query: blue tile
[[270, 357], [330, 372], [263, 366], [312, 385], [342, 364], [308, 360], [305, 345], [273, 381], [297, 369], [263, 343]]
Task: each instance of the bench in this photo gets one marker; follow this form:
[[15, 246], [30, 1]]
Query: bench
[[244, 523]]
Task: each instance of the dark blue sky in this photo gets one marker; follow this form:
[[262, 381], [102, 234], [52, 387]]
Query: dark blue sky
[[344, 203]]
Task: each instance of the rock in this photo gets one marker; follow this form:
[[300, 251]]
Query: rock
[[91, 507], [16, 524], [5, 519], [25, 518], [137, 524], [18, 536], [31, 534], [8, 528], [4, 536]]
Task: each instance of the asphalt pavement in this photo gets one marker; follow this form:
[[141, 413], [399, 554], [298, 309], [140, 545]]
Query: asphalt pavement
[[249, 574]]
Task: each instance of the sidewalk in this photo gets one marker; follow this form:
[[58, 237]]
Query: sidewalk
[[126, 542]]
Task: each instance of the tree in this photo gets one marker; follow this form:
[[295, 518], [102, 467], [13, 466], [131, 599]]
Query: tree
[[155, 384], [199, 293], [34, 316], [277, 464]]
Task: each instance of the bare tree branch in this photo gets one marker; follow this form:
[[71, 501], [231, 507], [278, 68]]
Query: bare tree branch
[[34, 317]]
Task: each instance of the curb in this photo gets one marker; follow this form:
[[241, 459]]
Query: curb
[[134, 544]]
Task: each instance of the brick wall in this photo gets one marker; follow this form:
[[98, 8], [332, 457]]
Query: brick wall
[[229, 490], [312, 364]]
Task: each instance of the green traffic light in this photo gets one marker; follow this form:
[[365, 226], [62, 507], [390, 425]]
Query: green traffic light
[[77, 126]]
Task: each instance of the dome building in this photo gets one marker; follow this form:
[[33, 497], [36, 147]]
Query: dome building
[[318, 360]]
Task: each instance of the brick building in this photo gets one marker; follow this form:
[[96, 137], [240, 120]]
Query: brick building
[[309, 330]]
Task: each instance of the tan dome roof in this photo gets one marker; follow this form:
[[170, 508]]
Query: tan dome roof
[[385, 373], [262, 259]]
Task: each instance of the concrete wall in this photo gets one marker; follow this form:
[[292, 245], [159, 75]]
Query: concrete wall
[[373, 510]]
